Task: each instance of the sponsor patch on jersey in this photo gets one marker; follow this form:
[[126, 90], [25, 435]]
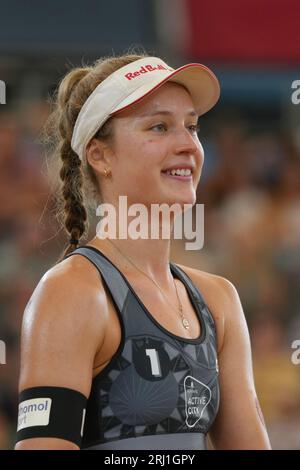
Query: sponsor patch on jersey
[[34, 412], [197, 397]]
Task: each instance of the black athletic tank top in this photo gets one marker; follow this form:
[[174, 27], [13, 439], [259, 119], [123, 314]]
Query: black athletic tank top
[[159, 391]]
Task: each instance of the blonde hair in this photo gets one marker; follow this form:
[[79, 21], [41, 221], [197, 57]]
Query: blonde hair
[[78, 188]]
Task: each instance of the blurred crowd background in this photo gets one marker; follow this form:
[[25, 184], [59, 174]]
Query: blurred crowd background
[[250, 184]]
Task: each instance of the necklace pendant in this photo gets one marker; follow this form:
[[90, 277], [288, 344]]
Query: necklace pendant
[[185, 323]]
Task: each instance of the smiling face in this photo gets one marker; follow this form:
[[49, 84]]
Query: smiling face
[[155, 155]]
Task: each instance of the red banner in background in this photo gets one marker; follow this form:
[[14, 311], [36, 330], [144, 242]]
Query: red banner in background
[[244, 30]]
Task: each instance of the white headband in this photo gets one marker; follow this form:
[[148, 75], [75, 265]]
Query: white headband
[[131, 83]]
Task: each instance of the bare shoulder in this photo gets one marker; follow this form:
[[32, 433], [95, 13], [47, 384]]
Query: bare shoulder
[[220, 296], [64, 324], [71, 290], [212, 283], [73, 270]]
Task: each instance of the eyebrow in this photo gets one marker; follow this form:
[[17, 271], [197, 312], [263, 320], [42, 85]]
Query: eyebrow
[[166, 113]]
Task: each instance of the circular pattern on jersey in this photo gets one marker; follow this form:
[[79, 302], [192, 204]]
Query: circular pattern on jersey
[[136, 401]]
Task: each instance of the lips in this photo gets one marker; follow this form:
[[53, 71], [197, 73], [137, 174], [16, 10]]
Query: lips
[[184, 165], [179, 174]]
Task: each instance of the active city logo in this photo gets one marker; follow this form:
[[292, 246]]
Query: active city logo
[[2, 92], [2, 352], [197, 398]]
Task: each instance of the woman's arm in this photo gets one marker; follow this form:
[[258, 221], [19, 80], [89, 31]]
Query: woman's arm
[[63, 327], [239, 423]]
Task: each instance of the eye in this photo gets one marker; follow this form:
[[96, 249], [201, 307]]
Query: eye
[[194, 128], [161, 127]]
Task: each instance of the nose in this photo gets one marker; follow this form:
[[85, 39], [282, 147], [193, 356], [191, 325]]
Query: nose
[[186, 143]]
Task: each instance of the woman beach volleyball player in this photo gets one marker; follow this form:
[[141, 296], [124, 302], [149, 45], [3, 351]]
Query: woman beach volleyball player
[[122, 349]]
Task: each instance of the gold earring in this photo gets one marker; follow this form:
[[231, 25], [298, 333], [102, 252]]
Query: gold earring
[[107, 173]]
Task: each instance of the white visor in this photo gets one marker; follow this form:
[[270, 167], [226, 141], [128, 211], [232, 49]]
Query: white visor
[[133, 82]]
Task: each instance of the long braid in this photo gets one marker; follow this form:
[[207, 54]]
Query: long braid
[[75, 215]]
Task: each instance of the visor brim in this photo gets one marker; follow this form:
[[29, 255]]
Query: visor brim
[[199, 80]]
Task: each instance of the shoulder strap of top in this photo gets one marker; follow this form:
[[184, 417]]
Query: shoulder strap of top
[[206, 313], [111, 276], [116, 283], [187, 280]]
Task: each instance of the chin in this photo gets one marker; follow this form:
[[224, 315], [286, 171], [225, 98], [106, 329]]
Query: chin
[[182, 198], [171, 197]]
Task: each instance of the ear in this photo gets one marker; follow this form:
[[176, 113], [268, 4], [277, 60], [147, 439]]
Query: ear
[[98, 155]]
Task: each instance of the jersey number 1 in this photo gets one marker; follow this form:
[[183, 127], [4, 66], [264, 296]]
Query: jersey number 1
[[154, 362]]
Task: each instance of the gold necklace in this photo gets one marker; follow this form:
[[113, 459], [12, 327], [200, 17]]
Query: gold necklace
[[184, 320]]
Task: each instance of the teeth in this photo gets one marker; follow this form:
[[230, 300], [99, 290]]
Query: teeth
[[179, 172]]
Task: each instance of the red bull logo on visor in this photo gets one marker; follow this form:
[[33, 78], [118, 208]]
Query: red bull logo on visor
[[146, 69]]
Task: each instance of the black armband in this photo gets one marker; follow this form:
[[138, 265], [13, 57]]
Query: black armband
[[51, 412]]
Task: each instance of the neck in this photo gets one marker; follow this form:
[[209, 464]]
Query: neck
[[151, 256]]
